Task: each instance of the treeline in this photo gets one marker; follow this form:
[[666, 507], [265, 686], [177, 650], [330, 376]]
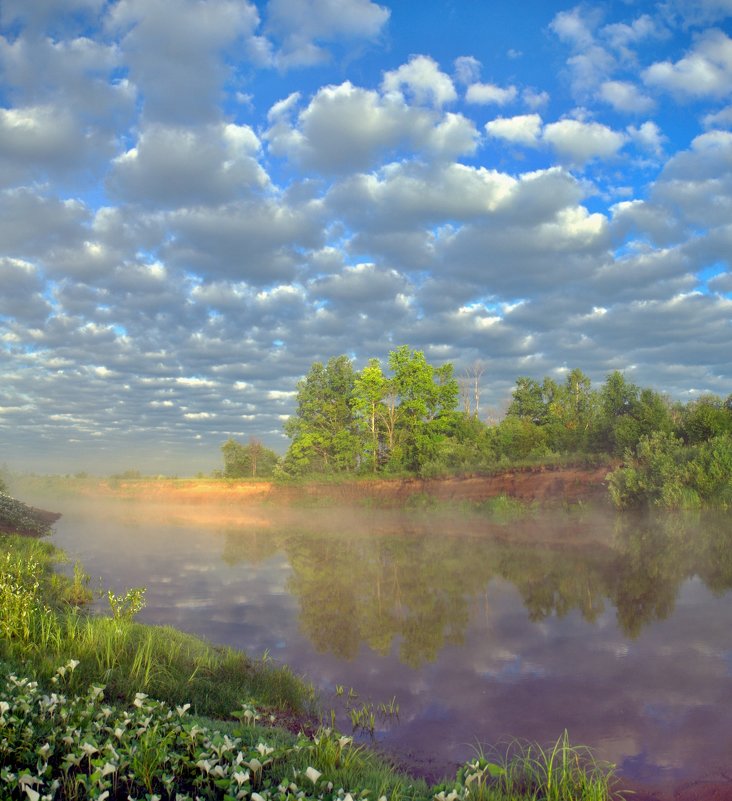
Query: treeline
[[403, 418]]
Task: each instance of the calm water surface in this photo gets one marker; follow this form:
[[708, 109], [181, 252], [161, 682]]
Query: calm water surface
[[616, 628]]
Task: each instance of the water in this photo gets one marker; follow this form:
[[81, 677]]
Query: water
[[617, 628]]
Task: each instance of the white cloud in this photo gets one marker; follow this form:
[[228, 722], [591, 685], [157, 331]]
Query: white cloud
[[575, 26], [580, 142], [625, 96], [348, 128], [421, 75], [719, 119], [648, 136], [705, 72], [467, 69], [621, 35], [174, 166], [534, 99], [485, 93], [524, 129], [302, 25], [175, 50]]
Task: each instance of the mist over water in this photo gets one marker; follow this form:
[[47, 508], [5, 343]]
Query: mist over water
[[617, 628]]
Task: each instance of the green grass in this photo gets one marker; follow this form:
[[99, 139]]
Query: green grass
[[42, 626]]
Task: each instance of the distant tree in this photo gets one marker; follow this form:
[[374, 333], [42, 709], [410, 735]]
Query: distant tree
[[571, 413], [252, 460]]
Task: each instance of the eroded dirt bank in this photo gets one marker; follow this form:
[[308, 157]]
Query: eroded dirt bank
[[546, 484]]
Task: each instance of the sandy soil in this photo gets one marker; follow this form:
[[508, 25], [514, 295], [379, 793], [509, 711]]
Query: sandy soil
[[561, 485]]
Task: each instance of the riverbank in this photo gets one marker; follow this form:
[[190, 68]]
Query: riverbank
[[547, 484]]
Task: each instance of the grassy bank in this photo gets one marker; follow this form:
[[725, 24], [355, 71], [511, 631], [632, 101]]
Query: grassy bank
[[103, 707]]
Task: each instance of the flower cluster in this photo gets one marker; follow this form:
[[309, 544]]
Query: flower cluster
[[54, 746]]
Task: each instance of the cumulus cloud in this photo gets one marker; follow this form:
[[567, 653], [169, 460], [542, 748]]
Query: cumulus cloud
[[578, 142], [706, 71], [175, 53], [467, 69], [303, 25], [648, 136], [625, 96], [425, 83], [524, 129], [257, 241], [173, 167], [485, 93], [347, 128], [718, 119]]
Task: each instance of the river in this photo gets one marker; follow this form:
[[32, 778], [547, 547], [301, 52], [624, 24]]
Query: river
[[617, 628]]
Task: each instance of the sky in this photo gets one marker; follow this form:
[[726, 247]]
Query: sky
[[200, 198]]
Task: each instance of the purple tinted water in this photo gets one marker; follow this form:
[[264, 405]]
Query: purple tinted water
[[617, 629]]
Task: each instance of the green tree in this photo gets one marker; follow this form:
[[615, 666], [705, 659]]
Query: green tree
[[426, 396], [704, 418], [324, 431], [370, 389], [248, 461], [572, 412], [528, 402]]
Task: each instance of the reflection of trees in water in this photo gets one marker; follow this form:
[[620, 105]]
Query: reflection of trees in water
[[416, 588]]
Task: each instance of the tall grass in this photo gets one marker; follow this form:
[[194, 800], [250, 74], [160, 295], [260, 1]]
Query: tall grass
[[560, 772], [41, 626]]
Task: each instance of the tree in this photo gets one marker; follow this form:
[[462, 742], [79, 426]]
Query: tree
[[426, 395], [571, 412], [324, 431], [250, 460], [470, 388], [528, 402], [370, 389]]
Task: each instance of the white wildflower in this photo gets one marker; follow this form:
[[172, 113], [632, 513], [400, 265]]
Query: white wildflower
[[139, 699], [240, 776], [313, 774]]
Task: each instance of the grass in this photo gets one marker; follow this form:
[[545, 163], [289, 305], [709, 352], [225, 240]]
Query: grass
[[106, 708], [42, 626]]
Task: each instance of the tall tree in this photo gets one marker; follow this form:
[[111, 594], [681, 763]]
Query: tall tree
[[324, 431], [426, 396], [370, 390]]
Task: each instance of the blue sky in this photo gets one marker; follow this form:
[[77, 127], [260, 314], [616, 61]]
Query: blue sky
[[199, 198]]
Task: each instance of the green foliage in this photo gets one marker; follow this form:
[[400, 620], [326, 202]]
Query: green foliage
[[705, 418], [324, 433], [367, 421], [665, 473], [252, 460], [516, 438]]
